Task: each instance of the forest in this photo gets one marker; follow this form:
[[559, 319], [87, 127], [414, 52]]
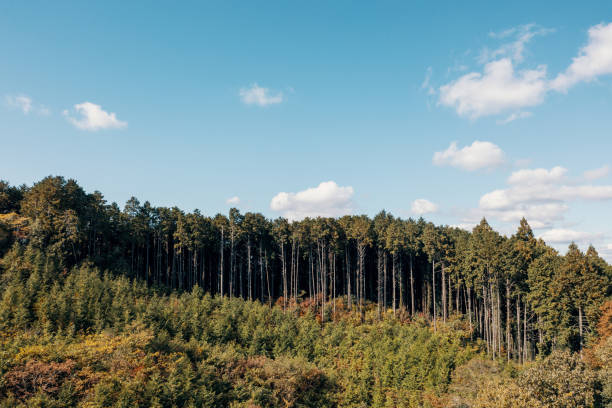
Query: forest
[[155, 306]]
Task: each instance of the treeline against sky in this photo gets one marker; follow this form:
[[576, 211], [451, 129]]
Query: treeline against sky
[[518, 295]]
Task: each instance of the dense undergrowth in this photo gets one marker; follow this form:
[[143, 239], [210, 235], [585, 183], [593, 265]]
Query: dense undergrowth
[[91, 339]]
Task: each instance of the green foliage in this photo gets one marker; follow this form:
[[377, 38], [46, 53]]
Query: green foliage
[[92, 335]]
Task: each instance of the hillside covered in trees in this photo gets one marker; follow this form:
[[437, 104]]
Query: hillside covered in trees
[[153, 306]]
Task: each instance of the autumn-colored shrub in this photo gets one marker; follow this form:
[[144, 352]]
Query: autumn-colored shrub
[[37, 377]]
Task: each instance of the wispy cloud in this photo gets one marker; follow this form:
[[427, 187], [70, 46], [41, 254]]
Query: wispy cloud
[[598, 173], [25, 104], [565, 236], [233, 200], [515, 116], [260, 96], [514, 49], [426, 85]]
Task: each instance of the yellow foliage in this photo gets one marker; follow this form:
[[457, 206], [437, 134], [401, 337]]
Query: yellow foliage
[[19, 225]]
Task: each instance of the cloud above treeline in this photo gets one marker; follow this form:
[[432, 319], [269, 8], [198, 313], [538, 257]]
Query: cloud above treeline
[[233, 200], [328, 199], [540, 195], [565, 236], [422, 206]]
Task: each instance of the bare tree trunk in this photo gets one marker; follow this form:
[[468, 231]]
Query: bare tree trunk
[[239, 280], [458, 296], [296, 281], [394, 273], [261, 272], [499, 320], [411, 288], [486, 318], [361, 249], [293, 261], [323, 270], [469, 304], [427, 298], [220, 280], [580, 326], [232, 272], [401, 284], [380, 281], [478, 314], [203, 275], [249, 269], [268, 279], [507, 319], [385, 280], [295, 258], [334, 284], [519, 343], [348, 278], [525, 332], [433, 289], [312, 284], [443, 294], [284, 273], [450, 296]]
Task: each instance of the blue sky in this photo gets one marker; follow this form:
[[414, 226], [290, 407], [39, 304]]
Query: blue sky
[[320, 108]]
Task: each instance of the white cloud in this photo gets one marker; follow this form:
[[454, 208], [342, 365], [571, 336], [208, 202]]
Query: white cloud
[[506, 198], [422, 206], [537, 176], [502, 89], [498, 89], [561, 236], [605, 251], [326, 200], [593, 60], [539, 195], [256, 95], [596, 173], [476, 156], [25, 104], [468, 226], [539, 215], [515, 116], [233, 200], [93, 117]]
